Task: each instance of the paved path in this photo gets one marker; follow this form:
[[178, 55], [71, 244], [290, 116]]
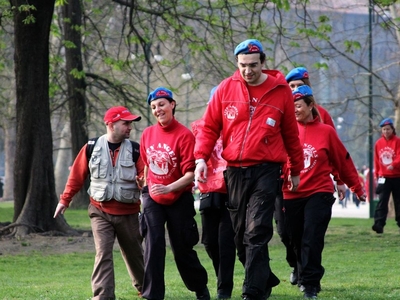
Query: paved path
[[351, 211]]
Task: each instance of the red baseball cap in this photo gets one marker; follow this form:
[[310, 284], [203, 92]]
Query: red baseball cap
[[117, 113]]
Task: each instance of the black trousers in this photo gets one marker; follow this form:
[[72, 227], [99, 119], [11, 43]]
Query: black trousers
[[218, 239], [252, 193], [307, 220], [279, 217], [391, 186], [183, 235]]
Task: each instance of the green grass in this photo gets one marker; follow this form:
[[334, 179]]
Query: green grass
[[359, 265]]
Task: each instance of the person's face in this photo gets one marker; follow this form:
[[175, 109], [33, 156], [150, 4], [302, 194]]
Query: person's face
[[121, 130], [302, 111], [162, 109], [250, 67], [387, 131], [295, 84]]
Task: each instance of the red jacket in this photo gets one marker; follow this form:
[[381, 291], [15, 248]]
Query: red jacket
[[387, 152], [76, 179], [215, 165], [265, 137], [322, 150], [168, 154]]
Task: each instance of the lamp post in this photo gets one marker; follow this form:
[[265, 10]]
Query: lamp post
[[370, 116], [147, 50]]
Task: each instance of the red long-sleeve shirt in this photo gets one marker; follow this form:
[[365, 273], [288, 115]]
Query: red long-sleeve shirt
[[387, 152], [322, 149], [167, 151]]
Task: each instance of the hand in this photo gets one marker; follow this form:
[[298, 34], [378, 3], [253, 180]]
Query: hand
[[140, 182], [362, 198], [294, 182], [341, 190], [200, 173], [59, 209], [160, 189]]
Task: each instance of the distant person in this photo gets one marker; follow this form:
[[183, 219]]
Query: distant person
[[1, 188], [387, 174], [308, 210], [218, 235], [167, 200], [253, 111], [114, 200]]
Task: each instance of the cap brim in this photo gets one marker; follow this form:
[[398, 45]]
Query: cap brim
[[132, 118]]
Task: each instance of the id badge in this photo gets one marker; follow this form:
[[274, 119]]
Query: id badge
[[381, 180]]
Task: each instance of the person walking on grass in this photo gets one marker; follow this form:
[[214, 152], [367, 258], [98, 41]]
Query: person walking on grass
[[387, 174], [253, 111], [167, 200], [114, 200], [308, 210]]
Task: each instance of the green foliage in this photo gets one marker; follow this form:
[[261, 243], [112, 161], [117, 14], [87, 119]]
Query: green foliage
[[69, 44], [77, 74], [28, 9], [350, 46]]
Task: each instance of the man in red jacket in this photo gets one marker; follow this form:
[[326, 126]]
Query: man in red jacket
[[253, 111], [387, 173]]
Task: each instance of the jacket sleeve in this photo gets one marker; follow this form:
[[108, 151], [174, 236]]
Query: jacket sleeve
[[377, 165], [290, 135], [396, 162], [208, 134], [343, 163], [77, 176]]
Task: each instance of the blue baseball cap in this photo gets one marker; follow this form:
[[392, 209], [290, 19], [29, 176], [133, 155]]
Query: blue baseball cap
[[297, 74], [302, 92], [249, 47], [160, 92], [387, 121]]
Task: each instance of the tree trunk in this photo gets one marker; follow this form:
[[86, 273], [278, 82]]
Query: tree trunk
[[63, 160], [76, 87], [34, 190], [9, 154]]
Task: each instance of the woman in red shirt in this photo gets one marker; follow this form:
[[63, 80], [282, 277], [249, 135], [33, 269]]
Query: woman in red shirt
[[167, 151], [308, 210]]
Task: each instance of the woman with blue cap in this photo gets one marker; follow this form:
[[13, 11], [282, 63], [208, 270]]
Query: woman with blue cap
[[167, 200], [387, 173], [308, 210]]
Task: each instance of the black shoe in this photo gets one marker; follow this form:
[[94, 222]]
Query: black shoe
[[294, 276], [310, 292], [204, 294], [302, 288], [223, 297], [378, 229]]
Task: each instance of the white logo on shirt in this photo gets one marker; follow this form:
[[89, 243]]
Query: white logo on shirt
[[310, 157], [162, 160], [386, 155]]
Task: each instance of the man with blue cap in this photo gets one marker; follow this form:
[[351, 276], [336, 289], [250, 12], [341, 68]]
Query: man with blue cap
[[387, 174], [253, 111]]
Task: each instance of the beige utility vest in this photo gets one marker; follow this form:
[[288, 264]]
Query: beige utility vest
[[113, 182]]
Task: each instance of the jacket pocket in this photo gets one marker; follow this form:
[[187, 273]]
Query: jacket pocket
[[127, 170], [98, 191], [129, 195]]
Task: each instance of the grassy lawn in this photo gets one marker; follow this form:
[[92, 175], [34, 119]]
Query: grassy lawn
[[359, 265]]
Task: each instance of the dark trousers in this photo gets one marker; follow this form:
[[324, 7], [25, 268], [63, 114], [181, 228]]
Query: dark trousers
[[183, 235], [307, 220], [218, 240], [391, 185], [279, 217], [252, 193]]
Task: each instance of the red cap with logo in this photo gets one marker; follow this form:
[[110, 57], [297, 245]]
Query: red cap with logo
[[117, 113]]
